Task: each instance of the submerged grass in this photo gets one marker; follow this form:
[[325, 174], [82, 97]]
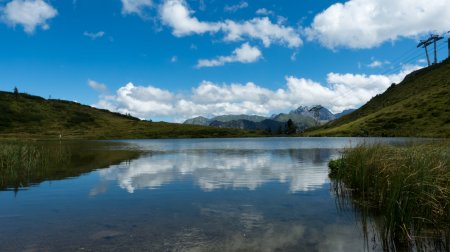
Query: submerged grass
[[408, 187]]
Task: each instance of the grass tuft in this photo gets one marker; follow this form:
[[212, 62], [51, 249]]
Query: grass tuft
[[408, 186]]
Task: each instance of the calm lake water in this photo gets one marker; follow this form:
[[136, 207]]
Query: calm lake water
[[264, 194]]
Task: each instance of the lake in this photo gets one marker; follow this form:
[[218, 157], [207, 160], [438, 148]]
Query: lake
[[257, 194]]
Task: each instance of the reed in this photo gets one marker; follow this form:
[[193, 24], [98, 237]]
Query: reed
[[408, 187], [26, 163], [22, 161]]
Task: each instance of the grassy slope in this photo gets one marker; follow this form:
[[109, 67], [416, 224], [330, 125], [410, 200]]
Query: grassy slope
[[29, 116], [301, 121], [418, 106]]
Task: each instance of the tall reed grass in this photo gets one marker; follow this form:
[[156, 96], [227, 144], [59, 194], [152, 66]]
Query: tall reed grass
[[408, 187], [21, 162], [25, 163]]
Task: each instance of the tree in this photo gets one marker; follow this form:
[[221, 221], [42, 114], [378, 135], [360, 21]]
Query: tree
[[291, 128], [16, 92]]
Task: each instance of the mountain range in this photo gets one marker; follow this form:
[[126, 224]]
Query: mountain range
[[303, 118]]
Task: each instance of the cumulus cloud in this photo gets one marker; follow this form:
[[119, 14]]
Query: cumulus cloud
[[243, 54], [139, 101], [94, 35], [340, 92], [262, 29], [135, 6], [28, 13], [100, 87], [177, 15], [236, 7], [368, 23]]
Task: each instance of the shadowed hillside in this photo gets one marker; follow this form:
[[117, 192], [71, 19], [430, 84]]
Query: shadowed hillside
[[418, 106], [27, 116]]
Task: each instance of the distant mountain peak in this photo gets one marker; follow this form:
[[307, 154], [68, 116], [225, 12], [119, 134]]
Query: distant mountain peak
[[199, 120], [314, 111]]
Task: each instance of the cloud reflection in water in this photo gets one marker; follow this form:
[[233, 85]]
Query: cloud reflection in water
[[303, 170]]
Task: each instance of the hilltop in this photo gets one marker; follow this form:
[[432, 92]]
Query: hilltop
[[28, 116], [418, 106]]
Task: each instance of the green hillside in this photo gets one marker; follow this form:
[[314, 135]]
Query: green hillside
[[27, 116], [301, 122], [418, 106]]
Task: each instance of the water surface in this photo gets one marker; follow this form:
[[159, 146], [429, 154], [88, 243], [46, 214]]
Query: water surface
[[264, 194]]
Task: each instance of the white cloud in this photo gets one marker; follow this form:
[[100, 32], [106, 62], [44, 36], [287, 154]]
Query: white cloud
[[139, 101], [135, 6], [243, 54], [100, 87], [236, 7], [262, 29], [177, 15], [264, 12], [368, 23], [342, 91], [94, 35], [174, 59], [377, 63], [28, 13]]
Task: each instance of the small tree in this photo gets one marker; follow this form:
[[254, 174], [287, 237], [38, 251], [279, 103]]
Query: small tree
[[16, 92], [291, 128]]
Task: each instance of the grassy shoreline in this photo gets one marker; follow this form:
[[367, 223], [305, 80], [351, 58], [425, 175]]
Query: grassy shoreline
[[408, 187], [25, 163]]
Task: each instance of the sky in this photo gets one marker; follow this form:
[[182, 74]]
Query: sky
[[176, 59]]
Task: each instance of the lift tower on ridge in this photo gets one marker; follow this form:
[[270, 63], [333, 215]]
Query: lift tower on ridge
[[425, 43]]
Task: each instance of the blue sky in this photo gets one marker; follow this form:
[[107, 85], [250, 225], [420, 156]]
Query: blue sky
[[175, 59]]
